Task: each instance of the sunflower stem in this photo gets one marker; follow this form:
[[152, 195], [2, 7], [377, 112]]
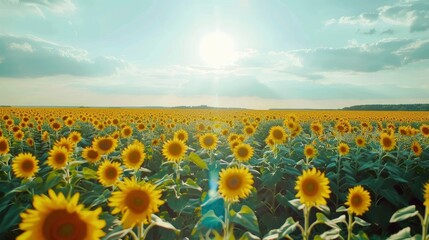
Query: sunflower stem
[[306, 234], [133, 234], [350, 227], [226, 232], [140, 232], [425, 224]]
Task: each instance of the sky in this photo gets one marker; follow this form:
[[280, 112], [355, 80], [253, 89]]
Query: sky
[[249, 54]]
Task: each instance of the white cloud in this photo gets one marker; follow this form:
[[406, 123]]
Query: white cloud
[[25, 47], [37, 7]]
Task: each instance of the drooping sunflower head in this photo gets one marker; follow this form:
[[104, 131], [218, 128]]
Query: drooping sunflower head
[[181, 135], [57, 217], [243, 152], [105, 145], [66, 143], [235, 183], [108, 173], [360, 141], [25, 165], [416, 148], [4, 145], [387, 141], [174, 150], [91, 155], [137, 201], [426, 194], [313, 188], [358, 200], [343, 149], [75, 137], [58, 157], [310, 151], [134, 155], [208, 141], [278, 134]]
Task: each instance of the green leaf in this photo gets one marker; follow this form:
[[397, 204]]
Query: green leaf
[[288, 227], [209, 218], [296, 203], [401, 235], [325, 209], [321, 217], [360, 236], [161, 223], [191, 184], [10, 218], [404, 213], [52, 180], [246, 218], [339, 219], [342, 209], [249, 236], [195, 158], [333, 233], [361, 222]]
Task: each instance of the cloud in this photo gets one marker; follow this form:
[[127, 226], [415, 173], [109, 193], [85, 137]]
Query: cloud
[[388, 32], [385, 54], [371, 31], [413, 14], [25, 47], [35, 57], [38, 6]]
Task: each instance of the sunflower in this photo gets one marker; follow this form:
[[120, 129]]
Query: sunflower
[[360, 141], [66, 143], [316, 127], [104, 145], [387, 141], [45, 136], [4, 145], [174, 150], [56, 126], [426, 195], [126, 132], [232, 137], [19, 135], [310, 151], [57, 217], [249, 130], [25, 165], [58, 157], [181, 135], [313, 188], [424, 129], [416, 148], [134, 155], [109, 172], [243, 152], [358, 200], [208, 141], [137, 201], [75, 137], [235, 183], [269, 142], [91, 155], [278, 134], [343, 149]]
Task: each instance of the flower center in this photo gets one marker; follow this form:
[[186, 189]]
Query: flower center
[[134, 156], [356, 201], [310, 187], [92, 154], [175, 149], [234, 182], [60, 158], [27, 165], [3, 146], [181, 136], [105, 144], [277, 134], [137, 201], [60, 224], [387, 142], [243, 152], [309, 152], [111, 173], [208, 141], [425, 130]]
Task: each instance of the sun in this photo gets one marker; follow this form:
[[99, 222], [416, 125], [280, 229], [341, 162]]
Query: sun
[[217, 49]]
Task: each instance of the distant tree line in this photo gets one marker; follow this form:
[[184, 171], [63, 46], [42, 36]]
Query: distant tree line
[[390, 107]]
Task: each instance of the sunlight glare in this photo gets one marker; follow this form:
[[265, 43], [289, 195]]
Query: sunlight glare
[[217, 49]]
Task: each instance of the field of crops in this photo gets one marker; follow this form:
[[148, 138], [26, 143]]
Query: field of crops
[[110, 173]]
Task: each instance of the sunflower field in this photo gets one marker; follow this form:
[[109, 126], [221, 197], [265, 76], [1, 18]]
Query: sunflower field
[[116, 173]]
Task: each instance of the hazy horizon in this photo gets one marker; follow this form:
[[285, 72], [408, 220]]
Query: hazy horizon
[[237, 54]]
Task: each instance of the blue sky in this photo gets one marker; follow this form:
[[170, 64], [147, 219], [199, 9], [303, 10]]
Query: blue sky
[[278, 54]]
